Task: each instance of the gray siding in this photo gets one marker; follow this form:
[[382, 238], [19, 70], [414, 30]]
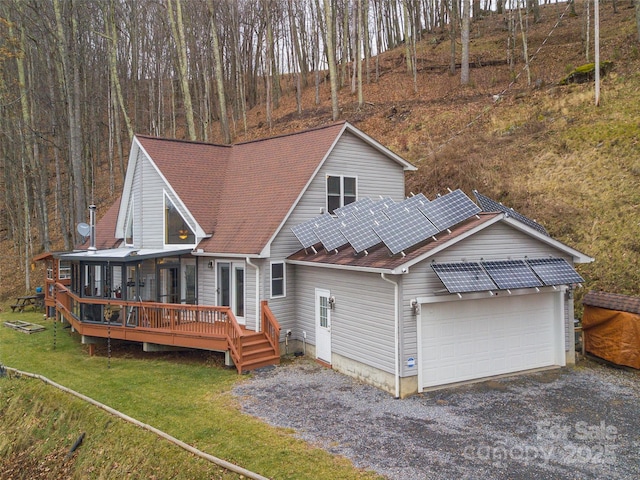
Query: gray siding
[[376, 175], [497, 242], [284, 308], [150, 222], [362, 323]]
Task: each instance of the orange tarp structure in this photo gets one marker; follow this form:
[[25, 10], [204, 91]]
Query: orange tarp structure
[[611, 325]]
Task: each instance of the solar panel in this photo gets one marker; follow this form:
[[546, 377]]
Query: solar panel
[[328, 231], [382, 204], [554, 271], [463, 277], [354, 208], [305, 233], [449, 210], [406, 229], [511, 274], [489, 205], [408, 203], [359, 232]]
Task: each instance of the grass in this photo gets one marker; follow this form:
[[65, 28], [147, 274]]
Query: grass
[[184, 394]]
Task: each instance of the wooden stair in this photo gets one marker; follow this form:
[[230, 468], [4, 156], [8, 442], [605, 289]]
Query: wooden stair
[[257, 352]]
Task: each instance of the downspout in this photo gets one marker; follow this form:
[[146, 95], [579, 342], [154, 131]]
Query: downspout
[[396, 324], [258, 317]]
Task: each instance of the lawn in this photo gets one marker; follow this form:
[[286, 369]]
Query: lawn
[[187, 395]]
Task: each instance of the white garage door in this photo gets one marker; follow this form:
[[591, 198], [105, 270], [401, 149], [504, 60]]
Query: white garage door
[[471, 339]]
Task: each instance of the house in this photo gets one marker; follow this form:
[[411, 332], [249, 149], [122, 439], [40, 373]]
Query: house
[[306, 242]]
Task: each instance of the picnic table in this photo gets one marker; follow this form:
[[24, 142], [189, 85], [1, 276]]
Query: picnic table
[[34, 301]]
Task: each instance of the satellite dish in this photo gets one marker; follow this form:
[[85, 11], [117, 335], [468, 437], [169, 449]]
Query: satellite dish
[[84, 229]]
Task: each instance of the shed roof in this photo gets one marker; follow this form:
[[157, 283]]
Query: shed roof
[[612, 301]]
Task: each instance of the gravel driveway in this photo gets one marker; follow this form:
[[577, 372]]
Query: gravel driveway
[[578, 422]]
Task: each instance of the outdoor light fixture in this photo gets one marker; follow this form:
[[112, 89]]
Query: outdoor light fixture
[[415, 306], [332, 302]]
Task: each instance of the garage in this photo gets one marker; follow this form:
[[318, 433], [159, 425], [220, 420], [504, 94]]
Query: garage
[[472, 338]]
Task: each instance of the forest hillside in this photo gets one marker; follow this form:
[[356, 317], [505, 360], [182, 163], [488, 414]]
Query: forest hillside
[[517, 131]]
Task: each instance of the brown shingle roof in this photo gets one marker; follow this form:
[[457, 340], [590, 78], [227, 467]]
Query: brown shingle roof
[[196, 171], [612, 301], [241, 194], [379, 257]]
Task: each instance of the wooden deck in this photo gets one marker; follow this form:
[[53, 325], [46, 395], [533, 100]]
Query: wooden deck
[[189, 326]]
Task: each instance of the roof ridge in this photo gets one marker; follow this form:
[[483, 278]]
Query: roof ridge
[[179, 140], [298, 132]]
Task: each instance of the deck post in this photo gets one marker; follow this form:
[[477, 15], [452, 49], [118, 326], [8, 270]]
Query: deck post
[[228, 361]]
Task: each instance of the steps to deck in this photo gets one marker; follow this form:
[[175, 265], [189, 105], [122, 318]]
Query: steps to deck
[[257, 352]]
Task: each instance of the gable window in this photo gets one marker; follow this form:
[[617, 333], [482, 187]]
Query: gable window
[[341, 191], [128, 232], [277, 279], [177, 232]]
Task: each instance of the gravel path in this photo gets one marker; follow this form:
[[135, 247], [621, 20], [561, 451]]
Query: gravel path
[[581, 422]]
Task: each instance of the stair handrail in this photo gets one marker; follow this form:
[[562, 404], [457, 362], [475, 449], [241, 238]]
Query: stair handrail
[[270, 326]]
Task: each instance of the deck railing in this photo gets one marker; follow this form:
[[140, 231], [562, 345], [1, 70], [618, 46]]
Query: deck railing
[[270, 326], [204, 321]]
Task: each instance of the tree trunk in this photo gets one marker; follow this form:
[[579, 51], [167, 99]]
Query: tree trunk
[[637, 2], [112, 35], [177, 28], [222, 99], [331, 60], [525, 52], [359, 52], [464, 64], [453, 21], [407, 36], [71, 73]]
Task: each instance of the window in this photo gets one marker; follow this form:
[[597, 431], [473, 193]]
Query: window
[[128, 233], [341, 191], [177, 232], [64, 270], [277, 280]]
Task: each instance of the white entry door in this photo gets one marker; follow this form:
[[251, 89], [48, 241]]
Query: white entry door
[[323, 325]]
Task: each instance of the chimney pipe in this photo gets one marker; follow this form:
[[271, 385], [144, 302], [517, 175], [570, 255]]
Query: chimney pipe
[[92, 224]]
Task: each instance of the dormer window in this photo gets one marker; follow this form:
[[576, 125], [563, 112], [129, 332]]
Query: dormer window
[[341, 191], [177, 232]]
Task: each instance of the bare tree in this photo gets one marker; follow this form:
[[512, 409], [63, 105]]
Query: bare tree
[[329, 41], [177, 28], [464, 64], [222, 100]]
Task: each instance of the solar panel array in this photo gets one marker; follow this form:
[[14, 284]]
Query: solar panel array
[[489, 205], [406, 228], [360, 234], [463, 277], [511, 274], [450, 209], [305, 233], [505, 274], [399, 225], [328, 231], [554, 271]]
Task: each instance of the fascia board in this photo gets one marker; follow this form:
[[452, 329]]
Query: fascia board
[[578, 257], [332, 266]]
